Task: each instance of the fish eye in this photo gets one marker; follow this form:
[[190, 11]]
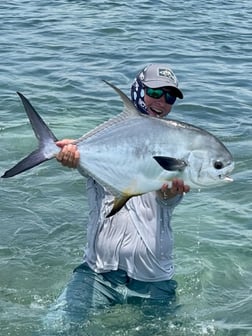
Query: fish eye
[[218, 165]]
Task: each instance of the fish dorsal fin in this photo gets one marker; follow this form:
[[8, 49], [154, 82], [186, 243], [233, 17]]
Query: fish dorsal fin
[[129, 108], [128, 112]]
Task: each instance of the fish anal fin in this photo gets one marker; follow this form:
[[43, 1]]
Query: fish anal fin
[[118, 204], [170, 163]]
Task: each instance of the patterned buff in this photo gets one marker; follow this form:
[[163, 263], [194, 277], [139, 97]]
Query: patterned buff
[[137, 93]]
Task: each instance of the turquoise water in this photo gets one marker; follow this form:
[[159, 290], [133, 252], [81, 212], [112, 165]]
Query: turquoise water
[[57, 53]]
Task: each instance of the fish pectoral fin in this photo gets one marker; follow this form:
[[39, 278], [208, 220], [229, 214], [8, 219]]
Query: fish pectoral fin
[[169, 163], [118, 204]]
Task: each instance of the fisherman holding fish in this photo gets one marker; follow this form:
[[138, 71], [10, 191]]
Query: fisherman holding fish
[[129, 256], [132, 163]]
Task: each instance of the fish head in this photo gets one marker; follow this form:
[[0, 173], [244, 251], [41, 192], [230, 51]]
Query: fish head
[[210, 167]]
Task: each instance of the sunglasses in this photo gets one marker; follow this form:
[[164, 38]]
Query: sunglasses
[[158, 93]]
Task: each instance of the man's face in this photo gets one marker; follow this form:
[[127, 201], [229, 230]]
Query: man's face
[[158, 101]]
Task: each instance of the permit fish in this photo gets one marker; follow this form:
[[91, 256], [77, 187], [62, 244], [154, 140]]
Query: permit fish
[[133, 153]]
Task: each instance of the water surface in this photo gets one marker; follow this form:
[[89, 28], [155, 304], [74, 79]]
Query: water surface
[[57, 53]]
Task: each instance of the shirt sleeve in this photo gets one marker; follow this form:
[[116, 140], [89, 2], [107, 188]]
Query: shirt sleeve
[[169, 203]]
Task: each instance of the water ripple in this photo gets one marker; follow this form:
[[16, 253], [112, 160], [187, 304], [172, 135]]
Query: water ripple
[[57, 53]]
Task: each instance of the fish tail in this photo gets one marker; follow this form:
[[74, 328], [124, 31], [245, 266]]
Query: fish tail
[[47, 147]]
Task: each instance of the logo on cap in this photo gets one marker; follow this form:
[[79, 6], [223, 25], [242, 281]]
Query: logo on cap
[[167, 73]]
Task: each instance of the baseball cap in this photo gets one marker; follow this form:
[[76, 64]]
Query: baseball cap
[[159, 75]]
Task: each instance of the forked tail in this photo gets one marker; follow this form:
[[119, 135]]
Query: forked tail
[[47, 147]]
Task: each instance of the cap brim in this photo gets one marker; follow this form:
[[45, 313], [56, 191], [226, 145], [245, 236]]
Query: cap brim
[[178, 92]]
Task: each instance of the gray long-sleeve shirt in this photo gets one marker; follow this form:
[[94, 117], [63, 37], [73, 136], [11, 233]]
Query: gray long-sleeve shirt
[[137, 239]]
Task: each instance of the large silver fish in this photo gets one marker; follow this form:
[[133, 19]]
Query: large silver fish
[[132, 154]]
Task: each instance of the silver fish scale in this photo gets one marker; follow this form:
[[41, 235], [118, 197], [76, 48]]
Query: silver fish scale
[[121, 156]]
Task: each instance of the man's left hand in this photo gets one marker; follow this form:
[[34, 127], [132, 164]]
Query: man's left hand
[[178, 188]]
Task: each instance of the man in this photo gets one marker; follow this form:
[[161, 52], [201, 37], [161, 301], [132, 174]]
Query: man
[[128, 258]]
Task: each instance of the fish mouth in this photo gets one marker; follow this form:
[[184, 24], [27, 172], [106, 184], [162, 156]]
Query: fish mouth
[[226, 178], [223, 178]]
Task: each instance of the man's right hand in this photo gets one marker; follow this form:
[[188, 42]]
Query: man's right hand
[[69, 155]]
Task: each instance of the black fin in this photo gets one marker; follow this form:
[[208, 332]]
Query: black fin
[[41, 130], [30, 161], [169, 163], [47, 147], [118, 204]]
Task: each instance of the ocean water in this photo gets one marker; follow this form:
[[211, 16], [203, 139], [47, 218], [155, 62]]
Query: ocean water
[[57, 53]]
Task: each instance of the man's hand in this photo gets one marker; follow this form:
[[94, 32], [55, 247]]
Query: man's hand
[[69, 155], [178, 188]]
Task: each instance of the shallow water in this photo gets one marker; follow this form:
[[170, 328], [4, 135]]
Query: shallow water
[[57, 53]]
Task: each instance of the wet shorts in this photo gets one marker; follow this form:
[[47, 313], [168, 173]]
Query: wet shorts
[[87, 292]]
